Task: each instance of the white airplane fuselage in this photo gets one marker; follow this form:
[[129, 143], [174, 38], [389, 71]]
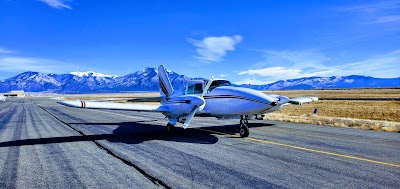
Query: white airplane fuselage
[[225, 101]]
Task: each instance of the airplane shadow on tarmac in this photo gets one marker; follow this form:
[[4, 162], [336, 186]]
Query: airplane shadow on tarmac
[[138, 132], [135, 133]]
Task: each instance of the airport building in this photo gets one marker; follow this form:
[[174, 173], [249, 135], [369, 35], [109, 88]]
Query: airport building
[[19, 93]]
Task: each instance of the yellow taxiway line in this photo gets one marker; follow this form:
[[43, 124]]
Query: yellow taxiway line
[[274, 143], [323, 152]]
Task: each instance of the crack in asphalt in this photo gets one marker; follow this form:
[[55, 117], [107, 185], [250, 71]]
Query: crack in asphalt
[[141, 171]]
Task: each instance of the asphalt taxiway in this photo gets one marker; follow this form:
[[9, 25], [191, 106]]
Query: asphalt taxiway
[[47, 145]]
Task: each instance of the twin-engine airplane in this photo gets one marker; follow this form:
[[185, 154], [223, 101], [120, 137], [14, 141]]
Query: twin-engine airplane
[[212, 98]]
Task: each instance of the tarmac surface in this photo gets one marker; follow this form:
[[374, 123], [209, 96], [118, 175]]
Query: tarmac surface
[[47, 145]]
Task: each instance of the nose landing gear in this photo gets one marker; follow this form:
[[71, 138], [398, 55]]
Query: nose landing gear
[[170, 128], [244, 129]]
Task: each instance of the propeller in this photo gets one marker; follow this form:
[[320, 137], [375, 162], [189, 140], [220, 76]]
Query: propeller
[[197, 105], [190, 116]]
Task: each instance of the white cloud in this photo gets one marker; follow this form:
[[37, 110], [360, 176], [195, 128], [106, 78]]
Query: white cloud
[[58, 4], [223, 75], [378, 6], [383, 19], [213, 49], [288, 64], [377, 12], [272, 71], [6, 51], [382, 66], [395, 52], [18, 64], [254, 81], [294, 59], [296, 65]]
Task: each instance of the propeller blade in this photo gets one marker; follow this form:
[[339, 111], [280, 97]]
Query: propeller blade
[[190, 117], [196, 107], [207, 86]]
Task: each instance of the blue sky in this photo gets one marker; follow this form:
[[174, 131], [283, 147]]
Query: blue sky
[[249, 42]]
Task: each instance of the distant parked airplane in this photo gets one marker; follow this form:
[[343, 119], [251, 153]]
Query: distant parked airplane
[[212, 98]]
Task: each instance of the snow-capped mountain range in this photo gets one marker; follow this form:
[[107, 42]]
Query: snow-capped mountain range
[[89, 82], [90, 73], [334, 82], [147, 80]]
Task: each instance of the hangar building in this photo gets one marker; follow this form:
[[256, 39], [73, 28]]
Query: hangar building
[[19, 93]]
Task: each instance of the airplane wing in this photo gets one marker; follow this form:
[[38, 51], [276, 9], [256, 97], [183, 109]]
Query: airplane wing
[[114, 106], [302, 100], [145, 99]]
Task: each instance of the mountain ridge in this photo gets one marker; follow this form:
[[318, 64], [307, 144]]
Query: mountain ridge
[[147, 80]]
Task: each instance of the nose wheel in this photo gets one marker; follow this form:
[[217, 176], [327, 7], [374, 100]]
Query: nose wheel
[[244, 129], [170, 128]]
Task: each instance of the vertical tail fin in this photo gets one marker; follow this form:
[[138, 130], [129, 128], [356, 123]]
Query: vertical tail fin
[[165, 84]]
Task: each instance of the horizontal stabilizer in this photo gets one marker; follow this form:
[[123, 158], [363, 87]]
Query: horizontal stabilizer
[[301, 100]]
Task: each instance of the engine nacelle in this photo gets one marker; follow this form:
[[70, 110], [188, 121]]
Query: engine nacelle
[[183, 105]]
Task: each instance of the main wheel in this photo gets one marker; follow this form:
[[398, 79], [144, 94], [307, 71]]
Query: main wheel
[[170, 128], [245, 121], [244, 131]]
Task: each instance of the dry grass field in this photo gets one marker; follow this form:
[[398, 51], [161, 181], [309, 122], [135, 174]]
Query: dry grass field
[[374, 115], [374, 110], [364, 114]]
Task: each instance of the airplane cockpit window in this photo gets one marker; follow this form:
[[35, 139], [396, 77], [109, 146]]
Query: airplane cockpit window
[[195, 88], [198, 88], [218, 83], [190, 89]]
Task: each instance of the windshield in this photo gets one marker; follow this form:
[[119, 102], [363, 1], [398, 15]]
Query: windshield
[[219, 83]]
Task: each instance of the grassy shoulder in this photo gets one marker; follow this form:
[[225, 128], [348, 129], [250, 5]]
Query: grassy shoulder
[[371, 110], [372, 115], [337, 121]]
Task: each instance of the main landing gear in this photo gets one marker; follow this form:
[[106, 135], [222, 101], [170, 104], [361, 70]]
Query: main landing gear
[[244, 129]]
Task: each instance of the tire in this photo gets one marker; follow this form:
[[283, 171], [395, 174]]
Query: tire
[[244, 131], [170, 128]]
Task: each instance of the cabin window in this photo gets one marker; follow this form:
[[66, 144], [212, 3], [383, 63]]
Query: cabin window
[[195, 88], [198, 88], [190, 89]]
